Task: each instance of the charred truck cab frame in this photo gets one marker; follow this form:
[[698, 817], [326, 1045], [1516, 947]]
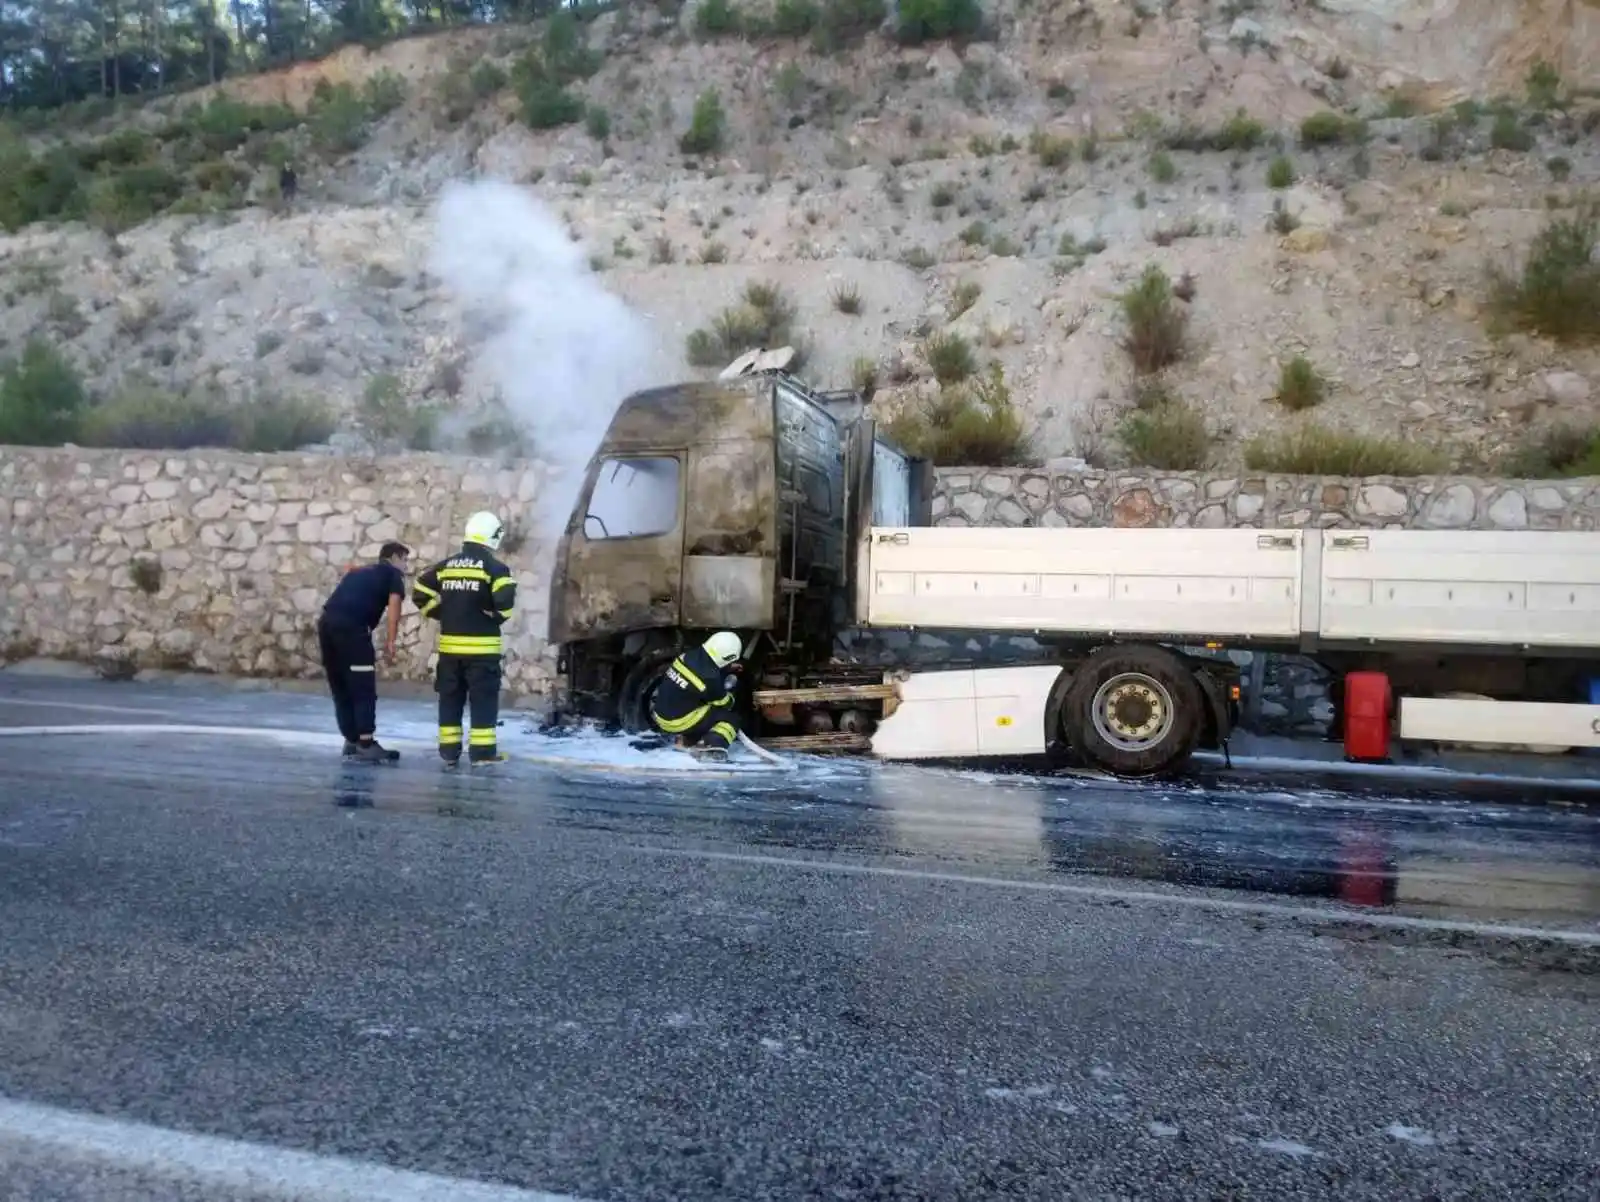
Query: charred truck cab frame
[[743, 504]]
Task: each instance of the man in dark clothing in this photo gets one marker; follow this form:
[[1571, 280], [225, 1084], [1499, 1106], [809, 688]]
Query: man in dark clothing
[[694, 700], [471, 595], [353, 610]]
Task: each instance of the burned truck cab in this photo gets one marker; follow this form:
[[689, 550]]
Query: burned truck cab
[[732, 504]]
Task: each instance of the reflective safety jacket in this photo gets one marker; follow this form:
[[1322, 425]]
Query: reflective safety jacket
[[688, 691], [470, 595]]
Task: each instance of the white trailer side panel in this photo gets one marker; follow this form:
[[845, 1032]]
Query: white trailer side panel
[[968, 712], [1477, 587], [1199, 583]]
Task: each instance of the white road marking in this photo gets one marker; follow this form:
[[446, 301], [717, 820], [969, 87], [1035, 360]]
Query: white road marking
[[24, 703], [1109, 893], [235, 1165]]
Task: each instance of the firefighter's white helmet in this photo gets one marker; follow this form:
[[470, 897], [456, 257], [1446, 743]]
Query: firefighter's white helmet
[[483, 527], [724, 647]]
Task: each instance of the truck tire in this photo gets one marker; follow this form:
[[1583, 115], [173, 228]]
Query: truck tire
[[1134, 711], [633, 698]]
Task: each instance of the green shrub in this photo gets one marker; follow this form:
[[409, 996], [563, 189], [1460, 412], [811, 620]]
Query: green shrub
[[1157, 322], [974, 424], [148, 419], [1280, 172], [1317, 451], [598, 122], [764, 319], [1162, 169], [1299, 385], [950, 357], [225, 124], [284, 424], [717, 19], [116, 202], [707, 125], [42, 398], [220, 176], [1544, 85], [392, 419], [1239, 132], [1558, 292], [566, 51], [1329, 128], [464, 87], [1508, 133], [1560, 451], [795, 18], [143, 419], [338, 118], [847, 299], [843, 23], [546, 104], [49, 186], [1052, 150], [383, 93], [1167, 434], [921, 21]]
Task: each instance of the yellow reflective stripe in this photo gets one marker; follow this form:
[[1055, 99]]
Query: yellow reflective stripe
[[674, 726], [688, 675], [504, 613], [504, 580], [464, 574], [725, 729], [449, 734], [469, 644], [429, 607], [419, 587], [481, 738], [725, 699]]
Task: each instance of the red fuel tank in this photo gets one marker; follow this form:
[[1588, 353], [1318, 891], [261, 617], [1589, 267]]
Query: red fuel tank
[[1368, 707]]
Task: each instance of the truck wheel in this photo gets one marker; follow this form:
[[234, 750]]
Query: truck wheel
[[633, 698], [1134, 711]]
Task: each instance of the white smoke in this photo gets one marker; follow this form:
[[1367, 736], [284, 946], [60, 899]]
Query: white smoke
[[562, 351]]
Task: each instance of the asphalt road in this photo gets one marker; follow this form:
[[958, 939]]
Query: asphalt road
[[232, 967]]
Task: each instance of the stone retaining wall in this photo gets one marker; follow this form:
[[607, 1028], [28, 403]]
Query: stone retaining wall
[[219, 561]]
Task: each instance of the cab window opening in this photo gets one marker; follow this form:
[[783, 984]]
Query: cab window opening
[[633, 498]]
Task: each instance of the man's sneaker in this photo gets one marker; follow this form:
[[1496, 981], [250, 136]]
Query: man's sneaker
[[351, 748], [374, 753], [498, 757]]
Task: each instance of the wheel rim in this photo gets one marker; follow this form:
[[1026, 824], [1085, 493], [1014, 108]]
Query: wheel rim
[[1132, 711]]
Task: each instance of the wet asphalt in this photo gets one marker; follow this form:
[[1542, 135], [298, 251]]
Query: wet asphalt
[[841, 982]]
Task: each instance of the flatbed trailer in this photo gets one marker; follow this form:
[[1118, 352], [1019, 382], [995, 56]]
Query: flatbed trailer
[[755, 504], [1419, 607]]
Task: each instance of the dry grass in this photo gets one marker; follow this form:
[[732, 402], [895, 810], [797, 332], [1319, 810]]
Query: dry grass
[[1318, 451], [1166, 433]]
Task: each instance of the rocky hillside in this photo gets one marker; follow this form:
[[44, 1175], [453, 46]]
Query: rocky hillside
[[1325, 189]]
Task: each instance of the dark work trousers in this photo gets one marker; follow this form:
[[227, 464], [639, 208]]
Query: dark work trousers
[[465, 681], [352, 668], [718, 729]]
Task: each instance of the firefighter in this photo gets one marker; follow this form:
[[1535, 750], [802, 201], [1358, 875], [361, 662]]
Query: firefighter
[[364, 596], [470, 595], [694, 700]]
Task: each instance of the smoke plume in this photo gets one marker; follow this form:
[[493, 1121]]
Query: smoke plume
[[561, 351]]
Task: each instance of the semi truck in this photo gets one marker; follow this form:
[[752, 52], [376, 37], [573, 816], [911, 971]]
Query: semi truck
[[757, 504]]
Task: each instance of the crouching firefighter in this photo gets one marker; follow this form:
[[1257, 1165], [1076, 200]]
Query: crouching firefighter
[[694, 700], [470, 595]]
